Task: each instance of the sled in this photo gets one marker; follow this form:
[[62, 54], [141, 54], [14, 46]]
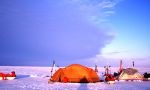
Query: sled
[[109, 78], [8, 76], [110, 82]]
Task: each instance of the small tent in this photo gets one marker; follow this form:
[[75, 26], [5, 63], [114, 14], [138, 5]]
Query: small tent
[[75, 73], [130, 74]]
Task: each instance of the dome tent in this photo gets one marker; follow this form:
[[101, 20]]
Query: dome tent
[[130, 74], [75, 73]]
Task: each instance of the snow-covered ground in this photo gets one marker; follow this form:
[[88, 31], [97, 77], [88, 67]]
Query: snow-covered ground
[[36, 78]]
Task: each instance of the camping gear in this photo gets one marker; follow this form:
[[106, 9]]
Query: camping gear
[[120, 67], [75, 73], [109, 78], [96, 70], [8, 76], [53, 66], [130, 74], [146, 76]]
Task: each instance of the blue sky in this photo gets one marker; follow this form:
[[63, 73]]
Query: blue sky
[[131, 24], [74, 31]]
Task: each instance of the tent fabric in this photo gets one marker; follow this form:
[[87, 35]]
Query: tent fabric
[[75, 73], [130, 74], [130, 71]]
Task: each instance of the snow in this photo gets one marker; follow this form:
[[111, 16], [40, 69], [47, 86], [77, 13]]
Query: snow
[[36, 78]]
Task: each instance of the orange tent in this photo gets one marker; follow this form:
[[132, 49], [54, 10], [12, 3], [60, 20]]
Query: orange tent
[[75, 73]]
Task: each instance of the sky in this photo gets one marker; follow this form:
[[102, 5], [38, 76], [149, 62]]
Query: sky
[[131, 25], [88, 32]]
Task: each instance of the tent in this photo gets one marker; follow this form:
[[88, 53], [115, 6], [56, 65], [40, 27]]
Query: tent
[[75, 73], [130, 74]]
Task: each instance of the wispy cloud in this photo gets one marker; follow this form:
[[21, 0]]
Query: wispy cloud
[[97, 10], [115, 52]]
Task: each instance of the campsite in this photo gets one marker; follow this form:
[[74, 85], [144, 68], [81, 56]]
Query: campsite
[[36, 78], [87, 38]]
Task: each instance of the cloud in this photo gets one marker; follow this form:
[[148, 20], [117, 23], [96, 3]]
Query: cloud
[[115, 52], [37, 33], [97, 10], [102, 60]]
